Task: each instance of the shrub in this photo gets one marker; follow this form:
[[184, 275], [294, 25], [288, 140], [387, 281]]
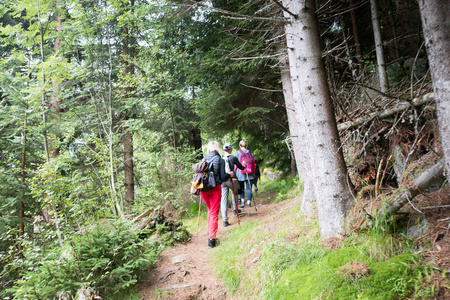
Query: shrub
[[107, 257]]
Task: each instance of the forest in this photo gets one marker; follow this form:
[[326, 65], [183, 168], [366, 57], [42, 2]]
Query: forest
[[107, 104]]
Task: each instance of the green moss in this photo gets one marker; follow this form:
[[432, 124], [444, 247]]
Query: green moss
[[314, 276], [391, 279]]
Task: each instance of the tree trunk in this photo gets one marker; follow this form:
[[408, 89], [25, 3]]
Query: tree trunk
[[197, 141], [358, 50], [22, 180], [436, 28], [313, 99], [55, 102], [297, 133], [382, 75], [127, 139]]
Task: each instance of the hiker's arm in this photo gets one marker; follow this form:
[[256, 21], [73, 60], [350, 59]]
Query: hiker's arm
[[237, 163], [254, 164]]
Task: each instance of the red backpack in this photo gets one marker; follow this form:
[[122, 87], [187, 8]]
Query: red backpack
[[248, 159]]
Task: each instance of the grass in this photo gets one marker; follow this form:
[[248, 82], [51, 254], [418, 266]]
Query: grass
[[238, 245], [191, 222], [285, 260]]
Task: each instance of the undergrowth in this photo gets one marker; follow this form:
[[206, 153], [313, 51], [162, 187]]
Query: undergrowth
[[261, 261], [106, 258], [285, 186]]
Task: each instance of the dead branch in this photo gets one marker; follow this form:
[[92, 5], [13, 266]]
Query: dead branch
[[378, 178], [422, 182], [142, 215], [400, 107]]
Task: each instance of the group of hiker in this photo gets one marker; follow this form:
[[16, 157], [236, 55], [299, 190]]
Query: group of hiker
[[236, 173]]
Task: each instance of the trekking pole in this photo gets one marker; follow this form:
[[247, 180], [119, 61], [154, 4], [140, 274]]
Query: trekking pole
[[250, 186], [199, 208], [235, 202]]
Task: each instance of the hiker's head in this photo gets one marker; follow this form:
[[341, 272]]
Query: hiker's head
[[227, 148], [213, 146], [243, 144]]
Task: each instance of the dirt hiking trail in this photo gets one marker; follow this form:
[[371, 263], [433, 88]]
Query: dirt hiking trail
[[186, 271]]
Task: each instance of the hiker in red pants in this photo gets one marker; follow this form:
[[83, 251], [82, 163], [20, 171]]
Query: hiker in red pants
[[212, 198]]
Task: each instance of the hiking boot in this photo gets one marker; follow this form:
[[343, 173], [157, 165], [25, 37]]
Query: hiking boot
[[249, 204], [225, 224], [211, 243], [242, 204], [239, 211]]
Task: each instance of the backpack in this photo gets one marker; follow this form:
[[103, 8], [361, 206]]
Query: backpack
[[248, 159], [227, 164], [203, 179]]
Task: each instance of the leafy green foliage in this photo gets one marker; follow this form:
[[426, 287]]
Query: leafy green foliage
[[285, 186], [107, 257], [168, 237]]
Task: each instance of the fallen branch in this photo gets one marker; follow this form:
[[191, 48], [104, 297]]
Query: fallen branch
[[439, 206], [400, 107], [422, 182], [142, 215]]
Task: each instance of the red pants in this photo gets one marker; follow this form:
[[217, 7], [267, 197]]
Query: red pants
[[212, 199]]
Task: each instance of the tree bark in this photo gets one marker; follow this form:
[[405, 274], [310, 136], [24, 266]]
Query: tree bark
[[55, 102], [127, 138], [298, 139], [436, 28], [314, 101], [22, 179], [358, 50], [382, 75]]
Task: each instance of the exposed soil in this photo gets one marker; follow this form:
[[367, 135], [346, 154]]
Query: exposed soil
[[192, 275]]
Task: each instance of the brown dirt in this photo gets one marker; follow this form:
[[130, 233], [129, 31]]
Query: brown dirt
[[194, 277]]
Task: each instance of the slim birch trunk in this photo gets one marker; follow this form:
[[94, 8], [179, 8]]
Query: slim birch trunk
[[313, 99], [436, 28], [22, 179]]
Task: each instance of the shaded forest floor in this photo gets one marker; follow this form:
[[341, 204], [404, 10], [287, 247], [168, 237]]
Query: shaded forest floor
[[187, 271]]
